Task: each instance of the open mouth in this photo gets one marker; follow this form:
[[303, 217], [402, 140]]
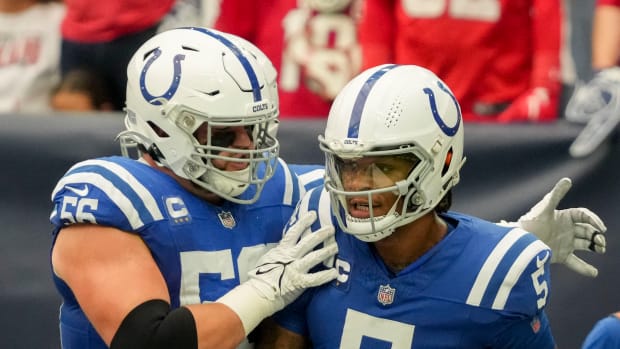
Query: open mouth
[[360, 208]]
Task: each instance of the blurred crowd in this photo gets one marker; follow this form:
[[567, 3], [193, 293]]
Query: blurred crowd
[[506, 61]]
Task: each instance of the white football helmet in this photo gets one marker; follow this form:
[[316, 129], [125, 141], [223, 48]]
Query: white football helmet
[[183, 78], [398, 110]]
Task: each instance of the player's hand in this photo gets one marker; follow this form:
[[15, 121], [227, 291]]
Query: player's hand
[[598, 94], [536, 104], [282, 274], [597, 104], [566, 231]]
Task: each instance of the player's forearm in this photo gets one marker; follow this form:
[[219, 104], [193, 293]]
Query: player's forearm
[[217, 326], [606, 37]]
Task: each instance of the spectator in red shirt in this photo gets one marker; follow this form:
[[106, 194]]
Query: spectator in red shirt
[[102, 35], [312, 44], [501, 57]]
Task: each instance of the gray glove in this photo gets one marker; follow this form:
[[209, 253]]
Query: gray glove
[[566, 231], [596, 103]]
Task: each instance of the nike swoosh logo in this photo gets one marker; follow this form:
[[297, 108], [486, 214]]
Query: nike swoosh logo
[[541, 261], [79, 191], [265, 271], [209, 93]]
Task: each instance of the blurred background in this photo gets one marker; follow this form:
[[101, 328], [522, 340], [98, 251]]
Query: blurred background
[[62, 92]]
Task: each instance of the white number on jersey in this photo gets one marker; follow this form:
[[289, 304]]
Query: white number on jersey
[[78, 210], [358, 325], [194, 263], [327, 69], [483, 10]]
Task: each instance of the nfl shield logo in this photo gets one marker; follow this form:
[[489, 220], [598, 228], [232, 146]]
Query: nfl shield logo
[[227, 219], [386, 294], [535, 324]]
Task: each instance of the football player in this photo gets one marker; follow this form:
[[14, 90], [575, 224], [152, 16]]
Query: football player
[[158, 252], [411, 273]]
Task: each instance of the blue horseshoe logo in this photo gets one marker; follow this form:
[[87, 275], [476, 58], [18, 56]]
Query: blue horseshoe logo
[[174, 85], [449, 131]]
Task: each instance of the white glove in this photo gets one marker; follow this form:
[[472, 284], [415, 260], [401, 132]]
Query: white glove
[[594, 96], [282, 274], [597, 104], [565, 231]]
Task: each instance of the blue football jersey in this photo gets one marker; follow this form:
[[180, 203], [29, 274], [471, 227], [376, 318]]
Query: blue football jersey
[[605, 334], [203, 250], [482, 286], [310, 176]]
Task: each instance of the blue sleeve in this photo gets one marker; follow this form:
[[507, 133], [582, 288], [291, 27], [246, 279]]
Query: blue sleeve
[[604, 335], [317, 200], [311, 176], [528, 297], [529, 332], [526, 282], [106, 192]]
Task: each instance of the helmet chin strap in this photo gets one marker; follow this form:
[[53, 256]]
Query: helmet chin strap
[[232, 183]]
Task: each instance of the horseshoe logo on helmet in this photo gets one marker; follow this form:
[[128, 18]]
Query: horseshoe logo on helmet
[[174, 85], [449, 131]]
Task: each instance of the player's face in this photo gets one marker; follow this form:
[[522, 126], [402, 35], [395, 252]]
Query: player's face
[[236, 137], [375, 172]]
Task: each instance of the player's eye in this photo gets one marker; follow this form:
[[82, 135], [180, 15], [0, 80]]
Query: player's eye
[[225, 137]]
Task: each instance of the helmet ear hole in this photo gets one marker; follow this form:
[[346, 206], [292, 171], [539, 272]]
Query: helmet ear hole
[[155, 153], [147, 54], [158, 130], [447, 162]]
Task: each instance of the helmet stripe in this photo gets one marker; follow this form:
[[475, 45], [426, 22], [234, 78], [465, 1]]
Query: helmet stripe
[[360, 101], [243, 59]]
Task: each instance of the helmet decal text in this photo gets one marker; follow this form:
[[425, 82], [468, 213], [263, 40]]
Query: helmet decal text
[[174, 85], [449, 131]]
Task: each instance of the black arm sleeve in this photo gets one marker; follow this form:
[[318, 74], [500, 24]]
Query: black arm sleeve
[[152, 325]]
